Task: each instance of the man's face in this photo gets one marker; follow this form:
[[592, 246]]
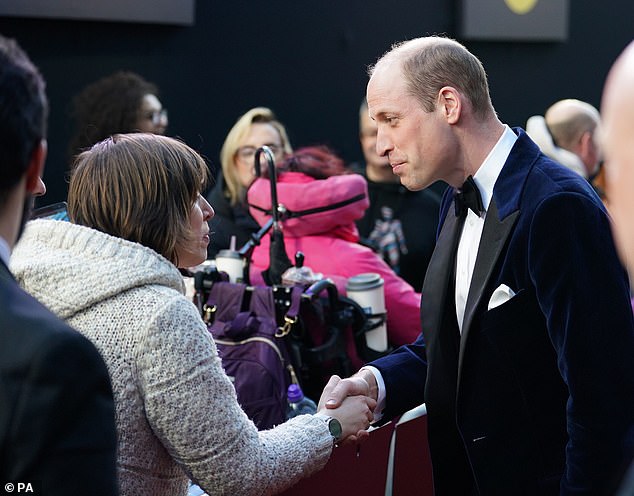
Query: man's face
[[416, 143]]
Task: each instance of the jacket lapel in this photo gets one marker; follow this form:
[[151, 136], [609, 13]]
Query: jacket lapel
[[439, 272], [494, 236]]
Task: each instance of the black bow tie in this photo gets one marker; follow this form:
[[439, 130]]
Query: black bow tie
[[468, 197]]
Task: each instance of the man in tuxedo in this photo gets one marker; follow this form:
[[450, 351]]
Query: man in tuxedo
[[57, 432], [525, 359]]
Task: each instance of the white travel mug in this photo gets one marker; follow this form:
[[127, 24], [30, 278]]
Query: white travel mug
[[232, 263], [367, 290]]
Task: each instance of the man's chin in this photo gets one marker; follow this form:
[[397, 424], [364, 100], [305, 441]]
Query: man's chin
[[27, 209]]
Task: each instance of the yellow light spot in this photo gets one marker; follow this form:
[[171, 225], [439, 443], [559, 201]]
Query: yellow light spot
[[521, 6]]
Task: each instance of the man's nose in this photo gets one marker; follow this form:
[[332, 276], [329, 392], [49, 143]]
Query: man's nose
[[383, 144], [40, 188]]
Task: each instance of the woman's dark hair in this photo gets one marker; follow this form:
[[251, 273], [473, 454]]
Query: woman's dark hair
[[318, 162], [140, 187], [106, 107]]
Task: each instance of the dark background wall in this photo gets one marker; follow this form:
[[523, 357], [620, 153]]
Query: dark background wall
[[305, 60]]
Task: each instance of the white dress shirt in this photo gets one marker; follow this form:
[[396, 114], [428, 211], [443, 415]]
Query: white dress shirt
[[485, 178]]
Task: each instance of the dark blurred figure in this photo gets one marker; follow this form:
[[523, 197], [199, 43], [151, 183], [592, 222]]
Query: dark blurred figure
[[56, 409]]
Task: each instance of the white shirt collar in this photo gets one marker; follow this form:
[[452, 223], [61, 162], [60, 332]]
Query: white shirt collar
[[5, 251], [490, 169]]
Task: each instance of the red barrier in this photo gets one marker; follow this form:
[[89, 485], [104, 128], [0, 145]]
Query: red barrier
[[363, 471], [350, 470]]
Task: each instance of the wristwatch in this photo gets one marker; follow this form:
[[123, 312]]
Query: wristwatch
[[334, 426]]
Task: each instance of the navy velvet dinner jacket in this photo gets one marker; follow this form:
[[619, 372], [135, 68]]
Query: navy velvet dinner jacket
[[57, 428], [537, 395]]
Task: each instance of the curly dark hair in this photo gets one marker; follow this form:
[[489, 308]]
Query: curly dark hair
[[106, 107]]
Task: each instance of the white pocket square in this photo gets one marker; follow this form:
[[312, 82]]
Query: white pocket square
[[501, 295]]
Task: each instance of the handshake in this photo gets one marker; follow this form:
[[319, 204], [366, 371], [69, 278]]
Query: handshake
[[352, 402]]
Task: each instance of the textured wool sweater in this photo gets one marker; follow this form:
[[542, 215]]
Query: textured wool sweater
[[176, 410]]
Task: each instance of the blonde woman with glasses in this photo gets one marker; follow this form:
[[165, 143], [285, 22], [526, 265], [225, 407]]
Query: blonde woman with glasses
[[256, 128]]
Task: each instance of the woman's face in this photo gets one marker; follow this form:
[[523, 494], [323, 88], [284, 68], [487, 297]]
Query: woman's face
[[152, 116], [260, 134], [192, 252]]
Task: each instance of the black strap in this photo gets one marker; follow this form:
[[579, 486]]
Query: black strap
[[289, 214]]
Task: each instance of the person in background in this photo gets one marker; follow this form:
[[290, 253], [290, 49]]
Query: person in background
[[136, 215], [123, 102], [313, 177], [568, 133], [617, 108], [57, 428], [399, 224], [525, 359], [255, 128]]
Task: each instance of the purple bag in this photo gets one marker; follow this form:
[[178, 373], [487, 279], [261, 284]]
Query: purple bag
[[252, 347]]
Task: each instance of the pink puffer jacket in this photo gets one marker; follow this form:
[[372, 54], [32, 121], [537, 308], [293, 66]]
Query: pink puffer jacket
[[329, 241]]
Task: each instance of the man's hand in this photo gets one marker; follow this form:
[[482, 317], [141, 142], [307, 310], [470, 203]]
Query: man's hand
[[337, 390], [362, 383]]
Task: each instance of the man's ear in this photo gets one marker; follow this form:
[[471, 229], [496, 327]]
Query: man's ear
[[35, 170], [587, 150], [450, 103]]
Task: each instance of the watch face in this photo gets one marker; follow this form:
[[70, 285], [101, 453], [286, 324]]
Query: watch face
[[335, 428]]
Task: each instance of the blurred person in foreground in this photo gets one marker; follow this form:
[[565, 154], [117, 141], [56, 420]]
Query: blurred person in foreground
[[525, 359], [617, 108], [57, 428]]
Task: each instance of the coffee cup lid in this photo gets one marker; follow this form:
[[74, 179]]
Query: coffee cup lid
[[228, 254], [363, 282]]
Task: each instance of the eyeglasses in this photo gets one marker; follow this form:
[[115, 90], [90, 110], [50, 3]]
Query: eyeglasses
[[158, 117], [247, 153]]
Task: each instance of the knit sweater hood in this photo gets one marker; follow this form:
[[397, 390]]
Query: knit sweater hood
[[72, 267]]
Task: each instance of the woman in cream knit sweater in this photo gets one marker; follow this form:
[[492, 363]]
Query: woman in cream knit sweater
[[137, 215]]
